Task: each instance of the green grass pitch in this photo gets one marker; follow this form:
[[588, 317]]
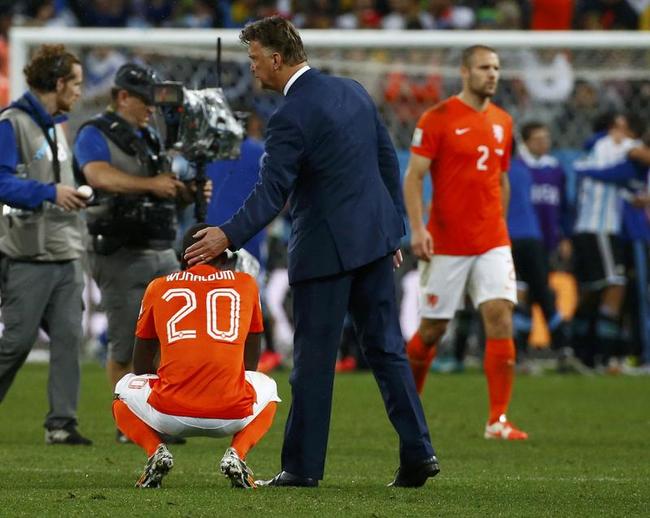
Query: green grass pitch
[[588, 455]]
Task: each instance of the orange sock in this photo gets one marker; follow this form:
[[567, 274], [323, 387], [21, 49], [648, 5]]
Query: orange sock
[[135, 428], [420, 357], [249, 436], [499, 367]]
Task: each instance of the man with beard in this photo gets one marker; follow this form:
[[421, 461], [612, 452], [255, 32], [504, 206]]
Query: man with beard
[[465, 144], [328, 154], [41, 244]]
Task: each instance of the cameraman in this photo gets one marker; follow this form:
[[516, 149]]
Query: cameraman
[[41, 242], [133, 223]]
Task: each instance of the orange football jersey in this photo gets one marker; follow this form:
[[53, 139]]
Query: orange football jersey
[[201, 317], [469, 150]]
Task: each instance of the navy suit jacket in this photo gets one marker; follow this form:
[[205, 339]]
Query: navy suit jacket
[[329, 154]]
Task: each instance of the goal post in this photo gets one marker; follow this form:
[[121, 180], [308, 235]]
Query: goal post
[[562, 78]]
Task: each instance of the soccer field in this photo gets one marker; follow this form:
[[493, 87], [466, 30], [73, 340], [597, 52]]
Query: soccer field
[[588, 456]]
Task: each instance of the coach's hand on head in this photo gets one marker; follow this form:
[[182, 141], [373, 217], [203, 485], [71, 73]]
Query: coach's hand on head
[[213, 242]]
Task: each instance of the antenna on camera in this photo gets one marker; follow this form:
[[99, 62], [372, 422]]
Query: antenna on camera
[[219, 62]]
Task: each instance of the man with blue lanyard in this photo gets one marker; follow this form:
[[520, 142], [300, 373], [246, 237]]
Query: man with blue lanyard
[[41, 236]]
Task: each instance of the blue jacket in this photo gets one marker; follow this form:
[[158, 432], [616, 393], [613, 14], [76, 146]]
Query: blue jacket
[[522, 219], [329, 155], [21, 192], [232, 182]]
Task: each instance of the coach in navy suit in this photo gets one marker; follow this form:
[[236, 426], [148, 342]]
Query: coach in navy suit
[[330, 156]]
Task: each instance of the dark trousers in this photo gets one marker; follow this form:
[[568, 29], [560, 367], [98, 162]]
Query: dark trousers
[[49, 295], [319, 307]]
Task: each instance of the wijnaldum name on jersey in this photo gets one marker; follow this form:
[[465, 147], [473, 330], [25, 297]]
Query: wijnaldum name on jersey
[[219, 275]]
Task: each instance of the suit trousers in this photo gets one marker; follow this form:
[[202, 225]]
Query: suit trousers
[[47, 295], [320, 306]]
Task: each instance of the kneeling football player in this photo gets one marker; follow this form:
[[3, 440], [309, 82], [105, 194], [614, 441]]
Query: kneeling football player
[[205, 323]]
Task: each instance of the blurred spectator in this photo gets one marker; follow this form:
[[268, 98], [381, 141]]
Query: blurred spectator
[[101, 13], [447, 15], [547, 75], [606, 15], [598, 251], [408, 93], [152, 13], [537, 194], [639, 5], [576, 116], [100, 65], [240, 12], [315, 14], [364, 15], [509, 15], [45, 13], [501, 15], [197, 14], [407, 14], [551, 15], [643, 8]]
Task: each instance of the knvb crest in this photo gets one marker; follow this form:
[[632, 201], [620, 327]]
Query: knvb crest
[[498, 132]]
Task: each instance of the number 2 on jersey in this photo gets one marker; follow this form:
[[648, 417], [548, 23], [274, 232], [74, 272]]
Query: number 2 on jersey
[[212, 322], [485, 154]]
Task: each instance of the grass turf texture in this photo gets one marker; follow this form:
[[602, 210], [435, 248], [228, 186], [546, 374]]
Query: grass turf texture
[[588, 456]]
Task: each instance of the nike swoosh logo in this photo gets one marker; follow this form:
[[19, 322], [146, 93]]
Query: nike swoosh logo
[[499, 152], [461, 131]]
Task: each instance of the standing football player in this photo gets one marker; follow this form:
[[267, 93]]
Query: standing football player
[[465, 144]]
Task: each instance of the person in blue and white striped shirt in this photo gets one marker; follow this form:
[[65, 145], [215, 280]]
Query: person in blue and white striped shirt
[[599, 264]]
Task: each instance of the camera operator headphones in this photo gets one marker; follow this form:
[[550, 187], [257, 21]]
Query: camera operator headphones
[[137, 80]]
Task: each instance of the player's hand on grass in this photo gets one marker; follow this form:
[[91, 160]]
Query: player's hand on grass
[[422, 244]]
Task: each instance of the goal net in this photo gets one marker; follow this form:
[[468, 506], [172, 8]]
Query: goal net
[[563, 79]]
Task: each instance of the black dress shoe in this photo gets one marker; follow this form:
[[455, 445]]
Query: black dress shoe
[[286, 479], [417, 474]]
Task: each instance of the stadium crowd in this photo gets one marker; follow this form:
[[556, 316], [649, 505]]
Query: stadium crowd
[[341, 14]]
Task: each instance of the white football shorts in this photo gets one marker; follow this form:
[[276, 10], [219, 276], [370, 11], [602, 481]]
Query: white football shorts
[[134, 390], [445, 280]]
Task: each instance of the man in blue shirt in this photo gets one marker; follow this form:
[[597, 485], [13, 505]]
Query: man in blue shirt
[[528, 250], [233, 181], [133, 223], [41, 243]]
